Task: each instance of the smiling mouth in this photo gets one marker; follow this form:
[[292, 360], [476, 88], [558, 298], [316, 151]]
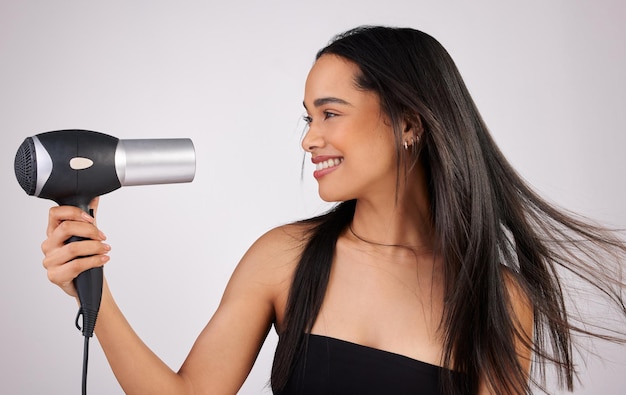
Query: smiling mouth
[[328, 163]]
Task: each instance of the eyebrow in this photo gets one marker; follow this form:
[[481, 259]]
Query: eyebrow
[[325, 100]]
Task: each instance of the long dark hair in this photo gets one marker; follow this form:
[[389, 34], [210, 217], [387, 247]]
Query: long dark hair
[[484, 216]]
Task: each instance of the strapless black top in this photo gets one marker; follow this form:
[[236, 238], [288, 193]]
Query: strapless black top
[[333, 366]]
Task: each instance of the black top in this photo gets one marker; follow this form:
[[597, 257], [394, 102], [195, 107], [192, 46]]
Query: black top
[[333, 366]]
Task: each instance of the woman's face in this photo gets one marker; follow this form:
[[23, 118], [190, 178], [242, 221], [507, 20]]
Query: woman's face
[[349, 137]]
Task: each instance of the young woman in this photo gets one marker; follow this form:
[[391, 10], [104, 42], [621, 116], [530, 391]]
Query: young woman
[[437, 273]]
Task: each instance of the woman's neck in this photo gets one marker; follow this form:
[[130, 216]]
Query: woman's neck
[[399, 220]]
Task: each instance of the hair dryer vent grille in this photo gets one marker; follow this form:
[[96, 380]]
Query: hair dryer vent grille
[[26, 166]]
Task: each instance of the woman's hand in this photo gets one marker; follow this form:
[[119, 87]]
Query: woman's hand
[[66, 261]]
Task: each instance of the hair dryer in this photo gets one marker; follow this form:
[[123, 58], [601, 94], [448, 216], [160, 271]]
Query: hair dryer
[[71, 167]]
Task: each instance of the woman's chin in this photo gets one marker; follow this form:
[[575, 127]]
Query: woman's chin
[[331, 197]]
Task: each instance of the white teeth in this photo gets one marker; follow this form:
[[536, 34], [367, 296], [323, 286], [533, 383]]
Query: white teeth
[[328, 163]]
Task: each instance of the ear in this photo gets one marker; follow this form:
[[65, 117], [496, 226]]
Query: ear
[[413, 129]]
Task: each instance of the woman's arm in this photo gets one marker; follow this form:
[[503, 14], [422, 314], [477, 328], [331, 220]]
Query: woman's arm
[[226, 349], [220, 359]]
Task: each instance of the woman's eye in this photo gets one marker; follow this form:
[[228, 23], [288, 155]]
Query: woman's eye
[[327, 114]]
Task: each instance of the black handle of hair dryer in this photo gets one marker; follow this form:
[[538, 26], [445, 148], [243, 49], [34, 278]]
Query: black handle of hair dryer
[[89, 288]]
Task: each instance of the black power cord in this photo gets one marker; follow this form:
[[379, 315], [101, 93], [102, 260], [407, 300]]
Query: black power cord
[[85, 363]]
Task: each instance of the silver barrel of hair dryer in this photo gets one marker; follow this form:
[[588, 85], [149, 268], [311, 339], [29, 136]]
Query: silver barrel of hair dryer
[[155, 161]]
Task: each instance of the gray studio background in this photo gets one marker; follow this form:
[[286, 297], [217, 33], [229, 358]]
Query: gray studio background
[[548, 77]]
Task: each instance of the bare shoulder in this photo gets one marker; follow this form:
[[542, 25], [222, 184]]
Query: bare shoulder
[[278, 247], [269, 263]]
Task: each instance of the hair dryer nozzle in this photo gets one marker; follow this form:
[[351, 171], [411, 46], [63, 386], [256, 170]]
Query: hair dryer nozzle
[[155, 161]]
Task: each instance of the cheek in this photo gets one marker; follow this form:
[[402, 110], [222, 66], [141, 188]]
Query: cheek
[[383, 147], [375, 161]]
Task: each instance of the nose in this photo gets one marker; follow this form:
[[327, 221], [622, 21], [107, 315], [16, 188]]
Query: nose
[[312, 138]]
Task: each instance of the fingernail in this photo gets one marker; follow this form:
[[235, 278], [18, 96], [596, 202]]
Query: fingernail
[[102, 235], [107, 247], [87, 217], [104, 258]]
